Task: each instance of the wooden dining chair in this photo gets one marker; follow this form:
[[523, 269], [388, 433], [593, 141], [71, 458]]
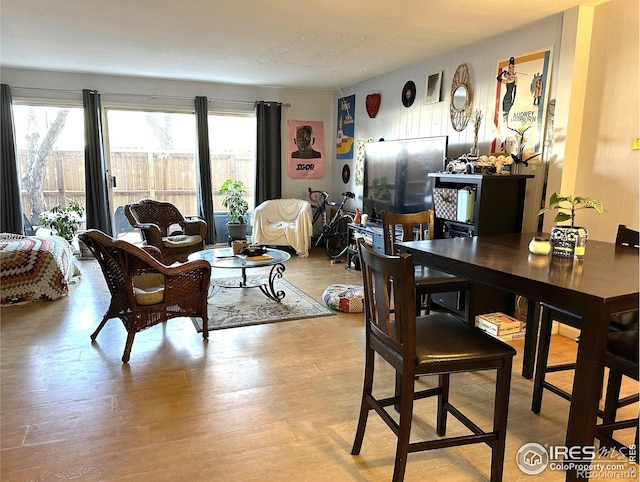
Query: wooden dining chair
[[419, 226], [619, 322], [622, 360], [436, 344]]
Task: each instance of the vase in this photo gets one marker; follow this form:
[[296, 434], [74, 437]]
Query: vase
[[568, 241]]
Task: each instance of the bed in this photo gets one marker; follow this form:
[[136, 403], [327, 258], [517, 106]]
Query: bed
[[35, 268]]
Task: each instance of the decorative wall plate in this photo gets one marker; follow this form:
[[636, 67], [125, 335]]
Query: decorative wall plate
[[372, 103], [408, 93]]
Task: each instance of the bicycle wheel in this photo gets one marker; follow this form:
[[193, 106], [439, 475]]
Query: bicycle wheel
[[337, 239]]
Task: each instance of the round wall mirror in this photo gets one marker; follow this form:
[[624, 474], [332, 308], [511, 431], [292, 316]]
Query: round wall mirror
[[460, 97]]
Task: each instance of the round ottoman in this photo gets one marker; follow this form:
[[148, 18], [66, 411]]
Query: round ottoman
[[347, 298]]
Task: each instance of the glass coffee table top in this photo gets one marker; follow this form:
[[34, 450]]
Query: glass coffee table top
[[223, 258]]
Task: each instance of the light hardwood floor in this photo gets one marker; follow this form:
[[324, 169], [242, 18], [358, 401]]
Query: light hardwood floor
[[274, 402]]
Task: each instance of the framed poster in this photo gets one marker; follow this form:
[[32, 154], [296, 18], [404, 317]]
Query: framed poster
[[522, 91], [346, 127], [433, 88], [306, 149]]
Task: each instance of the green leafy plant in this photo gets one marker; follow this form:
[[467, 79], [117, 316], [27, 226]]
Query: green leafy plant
[[233, 192], [63, 220], [568, 205]]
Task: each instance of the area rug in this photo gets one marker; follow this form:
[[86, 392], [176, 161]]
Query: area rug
[[232, 307]]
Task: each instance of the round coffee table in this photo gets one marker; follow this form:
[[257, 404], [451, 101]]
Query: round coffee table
[[224, 258]]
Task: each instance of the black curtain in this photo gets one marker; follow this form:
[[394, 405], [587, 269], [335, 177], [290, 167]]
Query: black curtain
[[96, 183], [10, 201], [205, 188], [269, 151]]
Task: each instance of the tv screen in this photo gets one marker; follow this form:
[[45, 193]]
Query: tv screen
[[395, 174]]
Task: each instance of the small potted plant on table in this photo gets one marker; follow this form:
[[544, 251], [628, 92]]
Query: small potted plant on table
[[565, 238]]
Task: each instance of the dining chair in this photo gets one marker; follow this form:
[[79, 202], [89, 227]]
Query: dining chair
[[144, 291], [622, 360], [619, 322], [419, 226], [435, 344], [162, 225]]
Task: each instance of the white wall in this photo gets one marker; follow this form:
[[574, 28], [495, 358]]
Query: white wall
[[602, 123], [157, 93]]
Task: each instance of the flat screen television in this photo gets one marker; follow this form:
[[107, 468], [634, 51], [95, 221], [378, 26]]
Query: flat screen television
[[395, 174]]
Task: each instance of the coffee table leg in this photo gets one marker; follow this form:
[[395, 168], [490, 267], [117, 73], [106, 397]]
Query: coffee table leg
[[269, 289]]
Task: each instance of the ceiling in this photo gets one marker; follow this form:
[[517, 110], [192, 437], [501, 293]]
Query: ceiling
[[313, 44]]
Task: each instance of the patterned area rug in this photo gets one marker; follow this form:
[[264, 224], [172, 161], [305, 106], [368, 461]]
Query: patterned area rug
[[232, 307]]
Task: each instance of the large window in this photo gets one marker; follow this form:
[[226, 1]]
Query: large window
[[152, 155], [232, 139], [50, 143]]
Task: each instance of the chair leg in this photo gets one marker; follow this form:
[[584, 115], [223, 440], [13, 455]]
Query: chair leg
[[404, 427], [94, 335], [611, 400], [443, 401], [541, 361], [367, 390], [500, 413], [127, 347]]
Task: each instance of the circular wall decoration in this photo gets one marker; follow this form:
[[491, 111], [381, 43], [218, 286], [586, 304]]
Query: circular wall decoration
[[460, 104], [346, 173], [408, 93]]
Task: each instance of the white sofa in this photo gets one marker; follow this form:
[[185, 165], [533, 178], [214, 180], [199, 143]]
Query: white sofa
[[284, 222]]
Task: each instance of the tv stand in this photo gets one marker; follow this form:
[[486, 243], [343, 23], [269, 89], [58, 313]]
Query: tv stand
[[372, 234]]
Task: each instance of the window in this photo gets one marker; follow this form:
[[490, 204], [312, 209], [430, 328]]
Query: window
[[152, 155], [232, 139], [50, 151]]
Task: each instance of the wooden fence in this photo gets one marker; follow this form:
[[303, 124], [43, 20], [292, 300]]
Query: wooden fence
[[165, 177]]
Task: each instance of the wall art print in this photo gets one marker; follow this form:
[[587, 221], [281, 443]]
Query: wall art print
[[522, 90], [306, 149], [346, 127]]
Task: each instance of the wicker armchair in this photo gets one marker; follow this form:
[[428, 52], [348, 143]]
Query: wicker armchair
[[156, 218], [145, 292]]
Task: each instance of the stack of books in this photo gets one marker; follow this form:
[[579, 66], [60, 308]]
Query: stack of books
[[501, 326]]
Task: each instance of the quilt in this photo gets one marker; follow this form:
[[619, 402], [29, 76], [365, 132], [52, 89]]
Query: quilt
[[35, 268]]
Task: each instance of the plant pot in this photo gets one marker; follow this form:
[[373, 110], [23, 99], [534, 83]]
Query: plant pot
[[565, 238], [237, 231]]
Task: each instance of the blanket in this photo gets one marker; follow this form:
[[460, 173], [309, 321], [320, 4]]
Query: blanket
[[284, 222], [35, 268]]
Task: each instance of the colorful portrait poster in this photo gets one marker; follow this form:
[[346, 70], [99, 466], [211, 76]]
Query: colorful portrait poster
[[306, 149], [522, 89], [346, 127]]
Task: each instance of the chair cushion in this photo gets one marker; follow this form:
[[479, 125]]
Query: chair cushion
[[181, 241], [347, 298], [148, 288], [442, 338]]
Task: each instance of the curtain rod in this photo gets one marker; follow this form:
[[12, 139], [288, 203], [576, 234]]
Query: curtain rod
[[152, 96]]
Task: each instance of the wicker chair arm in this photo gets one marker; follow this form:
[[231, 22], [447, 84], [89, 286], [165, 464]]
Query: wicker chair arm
[[195, 226]]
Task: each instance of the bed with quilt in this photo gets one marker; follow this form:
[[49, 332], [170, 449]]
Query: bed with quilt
[[35, 268]]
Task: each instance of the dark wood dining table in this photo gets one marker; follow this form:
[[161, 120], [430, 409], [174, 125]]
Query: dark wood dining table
[[605, 282]]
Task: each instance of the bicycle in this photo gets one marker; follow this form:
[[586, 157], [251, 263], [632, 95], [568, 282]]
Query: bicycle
[[335, 232]]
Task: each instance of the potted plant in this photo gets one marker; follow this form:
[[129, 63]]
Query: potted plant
[[63, 220], [233, 193], [565, 238]]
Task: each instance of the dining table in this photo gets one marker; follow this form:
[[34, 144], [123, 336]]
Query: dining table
[[606, 281]]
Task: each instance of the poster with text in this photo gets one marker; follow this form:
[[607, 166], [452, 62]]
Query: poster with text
[[306, 149], [346, 127], [521, 97]]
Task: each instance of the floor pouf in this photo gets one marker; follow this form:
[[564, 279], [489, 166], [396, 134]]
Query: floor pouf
[[347, 298]]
